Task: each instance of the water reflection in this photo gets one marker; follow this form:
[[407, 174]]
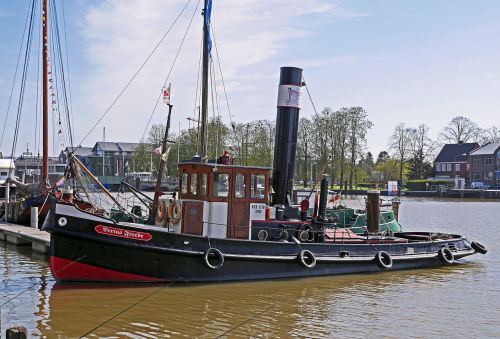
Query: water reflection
[[316, 307]]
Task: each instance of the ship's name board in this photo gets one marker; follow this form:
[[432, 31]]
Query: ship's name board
[[122, 233]]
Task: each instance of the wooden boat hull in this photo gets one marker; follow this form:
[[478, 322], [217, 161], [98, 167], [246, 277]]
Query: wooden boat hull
[[86, 247]]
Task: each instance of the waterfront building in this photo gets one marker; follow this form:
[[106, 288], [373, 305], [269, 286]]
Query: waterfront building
[[453, 161], [485, 165]]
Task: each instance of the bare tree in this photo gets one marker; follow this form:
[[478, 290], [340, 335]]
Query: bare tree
[[461, 129], [399, 143], [358, 128], [421, 147], [491, 134], [304, 145]]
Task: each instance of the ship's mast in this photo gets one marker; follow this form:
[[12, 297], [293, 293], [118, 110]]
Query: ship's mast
[[204, 84], [45, 109]]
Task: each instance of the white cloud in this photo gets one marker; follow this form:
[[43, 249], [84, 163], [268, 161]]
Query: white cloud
[[251, 36]]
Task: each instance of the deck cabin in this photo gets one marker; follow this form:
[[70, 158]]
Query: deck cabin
[[221, 200]]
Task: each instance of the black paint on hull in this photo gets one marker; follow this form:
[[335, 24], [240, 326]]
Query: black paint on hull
[[177, 257]]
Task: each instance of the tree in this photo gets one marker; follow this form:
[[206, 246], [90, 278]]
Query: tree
[[383, 156], [358, 128], [399, 143], [304, 138], [420, 148], [491, 134], [461, 129]]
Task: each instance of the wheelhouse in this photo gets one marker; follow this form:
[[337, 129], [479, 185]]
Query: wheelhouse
[[220, 200]]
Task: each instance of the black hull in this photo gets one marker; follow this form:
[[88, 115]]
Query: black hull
[[80, 253]]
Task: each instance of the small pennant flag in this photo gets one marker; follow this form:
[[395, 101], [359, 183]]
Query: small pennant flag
[[166, 94]]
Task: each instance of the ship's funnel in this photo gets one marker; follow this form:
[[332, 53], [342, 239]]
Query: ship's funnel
[[285, 142]]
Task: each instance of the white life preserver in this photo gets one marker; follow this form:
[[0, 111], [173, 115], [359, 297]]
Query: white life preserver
[[307, 258]]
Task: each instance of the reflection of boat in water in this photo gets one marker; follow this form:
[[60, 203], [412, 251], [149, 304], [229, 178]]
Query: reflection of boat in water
[[281, 308], [221, 227]]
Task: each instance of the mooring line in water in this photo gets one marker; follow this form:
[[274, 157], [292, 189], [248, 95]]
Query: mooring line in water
[[123, 311], [34, 284], [244, 322]]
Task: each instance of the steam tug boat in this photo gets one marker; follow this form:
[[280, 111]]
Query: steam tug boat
[[227, 224]]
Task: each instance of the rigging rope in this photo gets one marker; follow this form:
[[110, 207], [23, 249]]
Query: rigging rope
[[309, 94], [136, 73], [170, 71], [233, 126], [27, 54], [28, 15]]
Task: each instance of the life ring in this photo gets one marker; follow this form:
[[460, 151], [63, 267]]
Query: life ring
[[160, 214], [478, 247], [383, 260], [262, 235], [305, 233], [218, 254], [307, 258], [174, 211], [445, 255]]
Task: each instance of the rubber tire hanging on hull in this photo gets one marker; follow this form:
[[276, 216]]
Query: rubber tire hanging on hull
[[383, 260], [218, 254], [446, 256], [307, 259], [478, 247]]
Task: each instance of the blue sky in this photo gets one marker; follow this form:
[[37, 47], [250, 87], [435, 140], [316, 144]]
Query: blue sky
[[403, 61]]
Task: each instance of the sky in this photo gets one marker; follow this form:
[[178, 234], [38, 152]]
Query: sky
[[405, 61]]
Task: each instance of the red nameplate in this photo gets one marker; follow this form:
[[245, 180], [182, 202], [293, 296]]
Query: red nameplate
[[119, 232]]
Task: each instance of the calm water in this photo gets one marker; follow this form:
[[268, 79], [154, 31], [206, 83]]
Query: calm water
[[457, 301]]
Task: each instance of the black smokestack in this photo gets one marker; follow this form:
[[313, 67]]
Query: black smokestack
[[323, 197], [287, 123]]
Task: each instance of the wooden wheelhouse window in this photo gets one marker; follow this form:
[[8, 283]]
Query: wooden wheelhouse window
[[221, 185], [184, 183], [194, 184], [239, 186], [203, 184], [258, 186]]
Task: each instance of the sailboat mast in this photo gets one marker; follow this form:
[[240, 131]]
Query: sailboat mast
[[45, 89], [204, 86]]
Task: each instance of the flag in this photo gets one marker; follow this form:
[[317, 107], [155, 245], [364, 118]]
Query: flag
[[60, 182], [208, 18], [166, 94], [157, 151]]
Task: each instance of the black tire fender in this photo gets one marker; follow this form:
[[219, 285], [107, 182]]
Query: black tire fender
[[218, 254], [383, 260], [446, 256], [478, 247], [307, 258]]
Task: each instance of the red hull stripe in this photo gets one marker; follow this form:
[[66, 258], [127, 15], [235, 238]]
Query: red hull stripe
[[64, 269]]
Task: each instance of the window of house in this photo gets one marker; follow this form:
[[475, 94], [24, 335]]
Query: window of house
[[488, 161], [203, 185], [3, 173], [194, 183], [438, 167], [443, 167], [457, 167], [184, 183], [476, 160], [476, 176], [239, 186], [448, 167], [221, 185], [258, 186]]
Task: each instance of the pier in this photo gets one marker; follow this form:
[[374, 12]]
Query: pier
[[24, 236]]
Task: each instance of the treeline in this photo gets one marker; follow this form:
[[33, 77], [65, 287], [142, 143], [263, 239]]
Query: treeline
[[414, 149], [333, 141]]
